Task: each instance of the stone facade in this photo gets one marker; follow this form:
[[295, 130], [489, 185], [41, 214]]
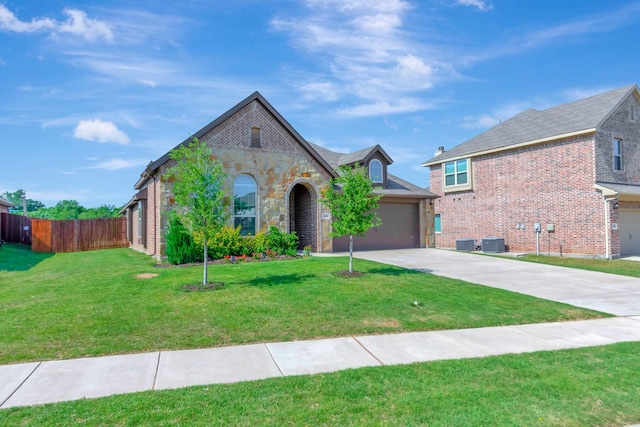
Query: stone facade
[[253, 140]]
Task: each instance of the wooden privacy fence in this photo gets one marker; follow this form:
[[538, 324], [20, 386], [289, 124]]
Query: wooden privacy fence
[[77, 235], [15, 228]]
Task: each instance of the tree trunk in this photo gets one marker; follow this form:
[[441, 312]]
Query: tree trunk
[[205, 274], [350, 253]]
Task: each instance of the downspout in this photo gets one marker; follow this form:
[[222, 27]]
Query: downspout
[[607, 232], [155, 220]]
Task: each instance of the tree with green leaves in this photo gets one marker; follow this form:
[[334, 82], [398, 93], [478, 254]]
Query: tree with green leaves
[[16, 198], [198, 190], [352, 203]]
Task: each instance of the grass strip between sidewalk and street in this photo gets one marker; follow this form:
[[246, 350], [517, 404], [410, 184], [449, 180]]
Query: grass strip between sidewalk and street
[[595, 386]]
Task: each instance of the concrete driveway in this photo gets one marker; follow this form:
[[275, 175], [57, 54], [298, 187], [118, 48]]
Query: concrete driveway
[[609, 293]]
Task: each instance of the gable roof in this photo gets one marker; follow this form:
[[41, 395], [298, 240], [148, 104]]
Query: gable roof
[[336, 160], [5, 202], [395, 186], [533, 126], [255, 96]]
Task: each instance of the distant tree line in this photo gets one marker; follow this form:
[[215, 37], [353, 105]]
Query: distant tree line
[[65, 209]]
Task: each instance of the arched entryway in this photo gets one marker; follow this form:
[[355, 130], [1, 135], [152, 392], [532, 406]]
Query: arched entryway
[[303, 215]]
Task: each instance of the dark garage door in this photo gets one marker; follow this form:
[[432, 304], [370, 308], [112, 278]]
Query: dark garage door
[[399, 229]]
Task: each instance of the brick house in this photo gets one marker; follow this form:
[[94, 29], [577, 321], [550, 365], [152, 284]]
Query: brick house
[[4, 210], [574, 169], [278, 175]]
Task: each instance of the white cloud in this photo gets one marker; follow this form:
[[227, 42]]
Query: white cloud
[[77, 23], [366, 54], [81, 25], [500, 114], [116, 164], [9, 22], [101, 131], [480, 4], [380, 108]]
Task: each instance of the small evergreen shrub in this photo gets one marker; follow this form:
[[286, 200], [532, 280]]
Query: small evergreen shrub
[[181, 249], [282, 243]]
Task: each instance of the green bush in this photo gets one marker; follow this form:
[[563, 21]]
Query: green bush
[[282, 243], [181, 249], [226, 242]]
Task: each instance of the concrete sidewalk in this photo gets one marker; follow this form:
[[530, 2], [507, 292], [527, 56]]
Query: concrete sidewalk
[[55, 381]]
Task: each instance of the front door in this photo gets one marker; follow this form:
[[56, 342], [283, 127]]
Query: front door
[[303, 215]]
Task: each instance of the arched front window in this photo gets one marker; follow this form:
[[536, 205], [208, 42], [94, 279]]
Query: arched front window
[[375, 170], [244, 204]]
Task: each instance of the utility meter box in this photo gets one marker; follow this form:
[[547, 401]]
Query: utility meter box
[[551, 228], [493, 244], [536, 227]]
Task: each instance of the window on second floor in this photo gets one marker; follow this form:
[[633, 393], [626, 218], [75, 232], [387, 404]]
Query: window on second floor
[[375, 171], [457, 175], [617, 154], [632, 112]]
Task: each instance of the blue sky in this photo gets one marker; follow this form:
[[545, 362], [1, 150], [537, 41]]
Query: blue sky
[[91, 91]]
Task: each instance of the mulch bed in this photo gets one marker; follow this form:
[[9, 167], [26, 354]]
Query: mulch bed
[[199, 287], [346, 273]]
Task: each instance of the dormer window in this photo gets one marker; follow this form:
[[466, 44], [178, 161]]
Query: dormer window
[[375, 171], [256, 137]]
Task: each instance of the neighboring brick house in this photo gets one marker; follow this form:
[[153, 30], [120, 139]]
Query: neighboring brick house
[[574, 169], [4, 210], [278, 175]]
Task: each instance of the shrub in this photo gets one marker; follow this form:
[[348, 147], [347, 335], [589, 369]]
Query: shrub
[[282, 243], [181, 249], [227, 241]]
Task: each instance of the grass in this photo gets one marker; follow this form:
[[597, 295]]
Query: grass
[[72, 305], [614, 266], [595, 386]]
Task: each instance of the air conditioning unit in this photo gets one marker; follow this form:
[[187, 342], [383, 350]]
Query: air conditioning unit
[[465, 245], [493, 244]]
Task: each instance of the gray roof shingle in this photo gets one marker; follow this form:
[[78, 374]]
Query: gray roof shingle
[[395, 185], [533, 125]]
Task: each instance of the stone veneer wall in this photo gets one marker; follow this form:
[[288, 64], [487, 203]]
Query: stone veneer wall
[[279, 164]]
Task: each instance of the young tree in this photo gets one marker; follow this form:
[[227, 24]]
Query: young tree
[[198, 189], [351, 205]]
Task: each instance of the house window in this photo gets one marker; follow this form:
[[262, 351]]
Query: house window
[[244, 204], [437, 223], [255, 137], [139, 222], [375, 170], [632, 112], [617, 154], [457, 175]]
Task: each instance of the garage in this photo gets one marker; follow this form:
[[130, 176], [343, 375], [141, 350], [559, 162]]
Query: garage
[[400, 229], [629, 227]]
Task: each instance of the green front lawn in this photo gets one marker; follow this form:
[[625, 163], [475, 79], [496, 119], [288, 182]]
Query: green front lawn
[[71, 305], [595, 386]]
